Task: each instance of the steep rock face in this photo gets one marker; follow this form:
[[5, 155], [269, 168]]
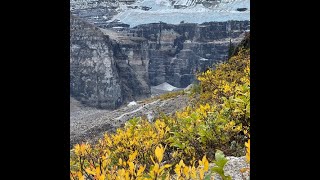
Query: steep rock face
[[109, 68], [94, 79], [132, 63], [171, 53], [178, 52], [105, 71]]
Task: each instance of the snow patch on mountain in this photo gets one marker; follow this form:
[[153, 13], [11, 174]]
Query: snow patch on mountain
[[165, 87], [132, 103], [162, 10]]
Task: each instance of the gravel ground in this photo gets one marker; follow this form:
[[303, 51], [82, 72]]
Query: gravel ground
[[233, 168], [89, 124]]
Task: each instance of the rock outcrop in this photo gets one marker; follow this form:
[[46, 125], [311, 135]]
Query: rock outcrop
[[178, 52], [94, 78], [132, 62], [105, 70]]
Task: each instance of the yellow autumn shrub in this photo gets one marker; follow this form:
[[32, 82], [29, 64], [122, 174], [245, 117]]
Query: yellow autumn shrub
[[179, 146], [248, 151], [133, 169], [222, 81]]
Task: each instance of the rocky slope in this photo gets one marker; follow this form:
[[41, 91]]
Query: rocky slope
[[89, 124]]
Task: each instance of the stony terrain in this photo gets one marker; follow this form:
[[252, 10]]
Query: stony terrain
[[88, 124], [233, 168]]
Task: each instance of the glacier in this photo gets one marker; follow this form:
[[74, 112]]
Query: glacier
[[163, 11]]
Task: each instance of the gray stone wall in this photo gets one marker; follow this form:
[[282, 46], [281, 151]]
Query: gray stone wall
[[103, 72], [178, 52], [94, 79]]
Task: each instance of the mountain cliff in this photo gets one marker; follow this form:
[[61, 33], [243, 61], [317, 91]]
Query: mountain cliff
[[105, 71], [113, 63]]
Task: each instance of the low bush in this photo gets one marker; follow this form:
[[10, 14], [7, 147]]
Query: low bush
[[179, 146]]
